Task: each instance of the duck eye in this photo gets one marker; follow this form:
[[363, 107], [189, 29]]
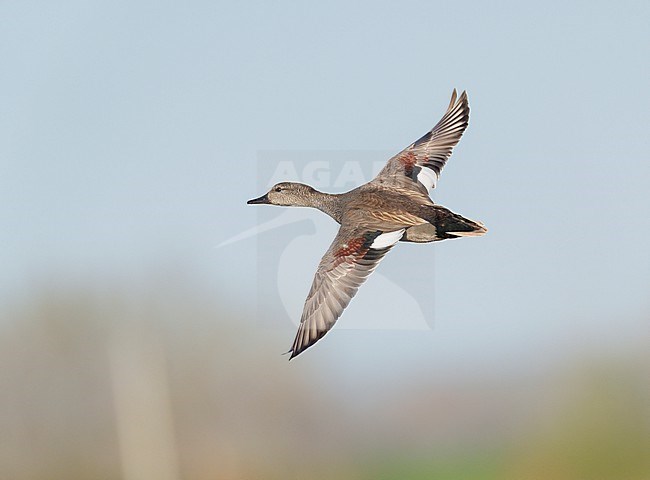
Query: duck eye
[[278, 189]]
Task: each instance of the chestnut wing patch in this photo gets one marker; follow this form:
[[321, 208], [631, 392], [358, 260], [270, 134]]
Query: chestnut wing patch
[[352, 257], [421, 163]]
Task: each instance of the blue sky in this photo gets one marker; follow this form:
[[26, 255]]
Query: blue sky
[[131, 136]]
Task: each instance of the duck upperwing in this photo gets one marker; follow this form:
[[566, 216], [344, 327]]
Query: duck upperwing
[[419, 165], [353, 255]]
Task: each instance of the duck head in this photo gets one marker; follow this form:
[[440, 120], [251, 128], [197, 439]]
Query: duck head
[[286, 194]]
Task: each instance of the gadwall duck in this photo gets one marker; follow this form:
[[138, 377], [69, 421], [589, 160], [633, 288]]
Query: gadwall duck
[[394, 206]]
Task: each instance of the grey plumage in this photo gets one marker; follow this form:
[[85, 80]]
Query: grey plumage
[[393, 206]]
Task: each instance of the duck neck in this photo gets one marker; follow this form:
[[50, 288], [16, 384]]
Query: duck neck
[[328, 203]]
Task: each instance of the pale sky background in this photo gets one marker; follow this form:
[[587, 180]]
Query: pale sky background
[[130, 133]]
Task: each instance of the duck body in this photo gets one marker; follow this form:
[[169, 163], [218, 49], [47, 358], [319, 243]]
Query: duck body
[[388, 208], [393, 207], [371, 204]]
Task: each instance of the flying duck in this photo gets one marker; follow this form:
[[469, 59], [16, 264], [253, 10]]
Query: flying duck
[[394, 206]]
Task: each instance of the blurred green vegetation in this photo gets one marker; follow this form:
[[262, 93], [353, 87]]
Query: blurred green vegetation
[[488, 466], [233, 414], [602, 432]]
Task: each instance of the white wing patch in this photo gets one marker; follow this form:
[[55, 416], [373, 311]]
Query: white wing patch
[[427, 177], [387, 239]]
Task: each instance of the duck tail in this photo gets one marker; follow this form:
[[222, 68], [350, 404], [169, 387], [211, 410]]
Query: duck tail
[[452, 225]]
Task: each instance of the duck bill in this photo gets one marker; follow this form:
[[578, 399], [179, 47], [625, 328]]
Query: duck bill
[[264, 199]]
